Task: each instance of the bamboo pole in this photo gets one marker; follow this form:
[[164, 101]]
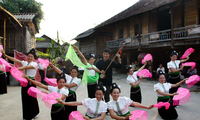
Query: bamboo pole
[[4, 34]]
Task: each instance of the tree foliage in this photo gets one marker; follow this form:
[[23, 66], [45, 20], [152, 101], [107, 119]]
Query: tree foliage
[[25, 6]]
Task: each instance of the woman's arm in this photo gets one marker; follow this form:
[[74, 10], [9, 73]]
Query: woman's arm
[[136, 84], [136, 104], [184, 60], [165, 94], [26, 67], [55, 68], [96, 69], [11, 58], [145, 63], [174, 71], [81, 55], [68, 103], [179, 83], [114, 116], [35, 82], [70, 85], [100, 117]]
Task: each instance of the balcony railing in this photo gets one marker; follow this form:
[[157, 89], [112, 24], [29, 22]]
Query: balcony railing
[[160, 36]]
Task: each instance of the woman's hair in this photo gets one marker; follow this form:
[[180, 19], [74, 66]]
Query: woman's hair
[[90, 56], [174, 53], [160, 72], [32, 51], [61, 76], [128, 67], [100, 87], [75, 67], [114, 86]]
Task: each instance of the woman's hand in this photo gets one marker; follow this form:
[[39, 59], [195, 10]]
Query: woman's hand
[[50, 64], [90, 68], [175, 94], [141, 77], [127, 116], [181, 68], [75, 48], [59, 100], [185, 80], [188, 56], [86, 117], [150, 107], [145, 63], [24, 76]]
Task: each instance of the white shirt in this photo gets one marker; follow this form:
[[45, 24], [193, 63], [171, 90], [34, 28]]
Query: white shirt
[[30, 72], [40, 66], [171, 64], [163, 69], [159, 86], [132, 78], [91, 105], [124, 102], [62, 91], [90, 72], [70, 80]]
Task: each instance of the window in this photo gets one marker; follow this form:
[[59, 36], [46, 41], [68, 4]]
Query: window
[[138, 29]]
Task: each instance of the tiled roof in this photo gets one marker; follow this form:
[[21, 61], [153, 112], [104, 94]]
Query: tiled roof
[[85, 34], [140, 7], [25, 17]]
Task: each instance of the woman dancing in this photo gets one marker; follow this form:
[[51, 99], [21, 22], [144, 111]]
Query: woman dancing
[[163, 94], [135, 91], [58, 111], [29, 104], [119, 105], [96, 108]]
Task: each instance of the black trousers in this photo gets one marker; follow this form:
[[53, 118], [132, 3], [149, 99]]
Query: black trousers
[[58, 113], [107, 94], [69, 109], [29, 104], [135, 94], [3, 86], [91, 90], [169, 113], [42, 75]]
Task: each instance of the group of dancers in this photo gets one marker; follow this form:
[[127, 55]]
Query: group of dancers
[[99, 89]]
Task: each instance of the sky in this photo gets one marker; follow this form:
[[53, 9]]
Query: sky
[[72, 17]]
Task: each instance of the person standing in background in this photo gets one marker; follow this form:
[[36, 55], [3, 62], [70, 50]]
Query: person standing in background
[[41, 71]]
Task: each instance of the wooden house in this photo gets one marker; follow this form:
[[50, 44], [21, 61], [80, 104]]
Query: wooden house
[[42, 45], [150, 26]]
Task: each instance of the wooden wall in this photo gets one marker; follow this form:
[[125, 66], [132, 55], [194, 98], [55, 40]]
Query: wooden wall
[[190, 12], [177, 10], [153, 21], [145, 23]]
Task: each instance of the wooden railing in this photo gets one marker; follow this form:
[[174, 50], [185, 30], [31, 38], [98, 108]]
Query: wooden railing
[[160, 36]]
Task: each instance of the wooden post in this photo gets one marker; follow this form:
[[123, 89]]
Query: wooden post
[[172, 26], [4, 35], [128, 58]]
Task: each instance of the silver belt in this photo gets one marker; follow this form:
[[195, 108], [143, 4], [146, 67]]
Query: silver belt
[[92, 83]]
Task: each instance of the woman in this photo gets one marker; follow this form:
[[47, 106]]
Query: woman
[[30, 67], [58, 111], [162, 90], [135, 91], [119, 105], [72, 83], [91, 72], [96, 108], [174, 70]]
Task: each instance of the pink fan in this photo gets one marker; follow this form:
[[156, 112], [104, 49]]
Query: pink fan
[[17, 75], [145, 73], [75, 115], [183, 96], [138, 115], [192, 64], [36, 93], [0, 54], [7, 69], [51, 81], [187, 52], [2, 61], [161, 104], [49, 99], [147, 57], [44, 63], [192, 80]]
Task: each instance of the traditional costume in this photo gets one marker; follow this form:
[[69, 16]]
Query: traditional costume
[[171, 112], [58, 111], [72, 93], [120, 106], [135, 92], [29, 104], [94, 108], [3, 86]]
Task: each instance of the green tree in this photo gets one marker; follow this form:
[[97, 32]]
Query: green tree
[[25, 6]]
